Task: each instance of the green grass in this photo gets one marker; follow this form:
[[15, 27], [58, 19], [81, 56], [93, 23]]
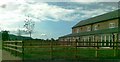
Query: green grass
[[86, 53], [54, 51], [46, 51], [0, 51], [106, 53], [0, 44], [60, 52]]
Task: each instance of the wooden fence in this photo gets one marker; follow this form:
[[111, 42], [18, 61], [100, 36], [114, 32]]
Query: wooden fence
[[14, 47], [54, 50]]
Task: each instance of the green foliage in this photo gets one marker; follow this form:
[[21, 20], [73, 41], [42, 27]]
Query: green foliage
[[0, 44], [5, 36]]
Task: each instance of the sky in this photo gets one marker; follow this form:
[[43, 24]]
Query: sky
[[52, 18]]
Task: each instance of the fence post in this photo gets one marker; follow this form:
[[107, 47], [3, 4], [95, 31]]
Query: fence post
[[51, 49], [22, 50], [16, 48], [96, 50], [76, 49], [117, 44], [114, 45]]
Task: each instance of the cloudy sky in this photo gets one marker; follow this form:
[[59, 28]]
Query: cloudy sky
[[52, 18]]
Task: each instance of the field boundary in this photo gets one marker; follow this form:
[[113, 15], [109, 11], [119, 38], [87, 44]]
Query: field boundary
[[56, 50]]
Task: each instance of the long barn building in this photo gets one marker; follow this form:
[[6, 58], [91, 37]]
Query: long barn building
[[101, 31]]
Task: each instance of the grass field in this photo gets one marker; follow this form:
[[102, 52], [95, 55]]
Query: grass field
[[0, 51], [35, 50], [0, 45], [63, 52]]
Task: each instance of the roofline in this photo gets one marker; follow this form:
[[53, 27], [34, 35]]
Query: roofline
[[95, 22], [98, 16]]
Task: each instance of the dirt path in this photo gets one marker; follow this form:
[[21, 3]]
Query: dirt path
[[7, 56]]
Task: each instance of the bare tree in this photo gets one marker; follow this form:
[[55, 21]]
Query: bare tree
[[29, 25], [19, 32]]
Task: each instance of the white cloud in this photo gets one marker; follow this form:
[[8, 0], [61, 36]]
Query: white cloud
[[10, 14], [74, 0], [37, 11], [94, 12], [13, 11], [94, 1], [43, 35], [43, 11], [85, 1]]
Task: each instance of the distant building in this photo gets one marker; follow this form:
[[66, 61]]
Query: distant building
[[102, 29]]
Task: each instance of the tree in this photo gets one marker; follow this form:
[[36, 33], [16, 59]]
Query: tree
[[29, 25], [52, 39], [5, 35], [19, 32]]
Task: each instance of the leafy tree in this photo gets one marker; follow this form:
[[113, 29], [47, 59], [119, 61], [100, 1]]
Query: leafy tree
[[5, 35], [52, 39]]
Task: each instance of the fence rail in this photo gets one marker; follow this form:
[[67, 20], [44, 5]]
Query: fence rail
[[14, 47], [50, 50]]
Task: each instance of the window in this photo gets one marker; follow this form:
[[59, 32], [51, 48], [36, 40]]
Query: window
[[96, 27], [88, 29], [74, 30], [81, 29], [112, 25], [77, 30]]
